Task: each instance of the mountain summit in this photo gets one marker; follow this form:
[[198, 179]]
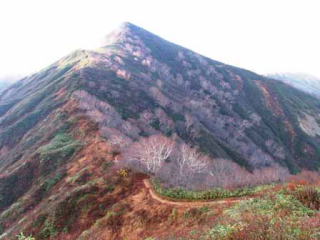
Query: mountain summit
[[63, 128]]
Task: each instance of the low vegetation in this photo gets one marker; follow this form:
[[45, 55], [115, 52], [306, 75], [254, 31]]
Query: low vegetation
[[273, 216], [56, 152], [216, 193], [21, 236]]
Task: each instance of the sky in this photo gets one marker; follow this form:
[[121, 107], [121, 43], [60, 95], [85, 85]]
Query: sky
[[264, 36]]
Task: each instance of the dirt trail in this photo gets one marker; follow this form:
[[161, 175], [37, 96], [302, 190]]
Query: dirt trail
[[163, 200]]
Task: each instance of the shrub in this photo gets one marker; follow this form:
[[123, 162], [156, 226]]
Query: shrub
[[49, 229], [57, 151], [21, 236], [270, 206], [308, 196], [271, 217], [216, 193], [198, 214], [123, 172], [58, 142], [49, 183], [305, 177], [221, 231]]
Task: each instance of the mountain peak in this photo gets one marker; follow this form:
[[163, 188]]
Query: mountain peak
[[127, 25], [121, 33]]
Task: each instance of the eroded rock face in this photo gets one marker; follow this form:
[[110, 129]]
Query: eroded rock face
[[310, 125]]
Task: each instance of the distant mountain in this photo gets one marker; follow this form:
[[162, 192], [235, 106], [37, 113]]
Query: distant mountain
[[7, 81], [306, 82], [60, 128], [3, 84]]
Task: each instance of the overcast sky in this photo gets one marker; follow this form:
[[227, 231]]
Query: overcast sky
[[260, 35]]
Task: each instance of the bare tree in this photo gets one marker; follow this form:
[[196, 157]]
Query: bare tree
[[150, 152], [190, 168], [225, 173], [190, 162], [273, 173]]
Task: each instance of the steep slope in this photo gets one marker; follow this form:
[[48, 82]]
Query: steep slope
[[61, 129], [307, 83]]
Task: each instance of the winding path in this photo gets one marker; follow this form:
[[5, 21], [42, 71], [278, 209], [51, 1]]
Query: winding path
[[164, 200]]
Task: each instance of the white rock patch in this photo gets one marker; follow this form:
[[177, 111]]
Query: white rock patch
[[309, 125]]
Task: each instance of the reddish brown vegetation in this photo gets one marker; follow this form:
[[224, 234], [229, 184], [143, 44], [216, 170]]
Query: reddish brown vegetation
[[271, 101], [275, 107], [309, 196], [305, 177]]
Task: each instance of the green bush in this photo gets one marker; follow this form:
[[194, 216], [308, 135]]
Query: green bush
[[49, 229], [21, 236], [216, 193], [57, 151], [49, 183], [270, 206]]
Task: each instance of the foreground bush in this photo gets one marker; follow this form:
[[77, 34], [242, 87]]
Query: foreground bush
[[308, 196], [272, 217]]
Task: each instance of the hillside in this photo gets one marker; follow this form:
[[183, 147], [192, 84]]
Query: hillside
[[63, 131], [304, 82]]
